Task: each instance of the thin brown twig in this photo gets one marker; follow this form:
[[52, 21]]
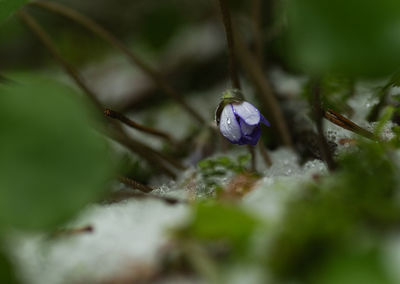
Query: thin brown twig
[[120, 196], [345, 123], [318, 115], [152, 156], [135, 184], [265, 92], [135, 125], [226, 18], [110, 38], [70, 232]]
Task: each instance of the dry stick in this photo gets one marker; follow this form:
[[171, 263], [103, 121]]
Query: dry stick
[[123, 195], [131, 123], [71, 232], [149, 154], [135, 185], [107, 36], [226, 18], [318, 115], [345, 123], [265, 91], [152, 157]]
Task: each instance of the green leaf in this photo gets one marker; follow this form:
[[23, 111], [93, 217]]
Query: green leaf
[[8, 7], [219, 221], [354, 267], [354, 37], [385, 118], [53, 162], [7, 274]]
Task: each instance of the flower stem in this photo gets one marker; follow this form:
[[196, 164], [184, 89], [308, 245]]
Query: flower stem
[[252, 151], [318, 115], [107, 36], [256, 8], [264, 154], [226, 18]]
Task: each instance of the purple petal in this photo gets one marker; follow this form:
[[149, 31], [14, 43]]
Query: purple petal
[[251, 139], [264, 120], [255, 137], [245, 128], [247, 112], [229, 126]]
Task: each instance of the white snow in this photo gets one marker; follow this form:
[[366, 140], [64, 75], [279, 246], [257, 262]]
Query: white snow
[[126, 235]]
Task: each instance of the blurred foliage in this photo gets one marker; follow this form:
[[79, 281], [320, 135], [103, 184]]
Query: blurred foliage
[[8, 7], [155, 32], [212, 170], [334, 212], [53, 162], [220, 222], [7, 275], [353, 37], [336, 90], [135, 168], [354, 266]]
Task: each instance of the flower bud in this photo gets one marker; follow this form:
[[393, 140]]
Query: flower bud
[[238, 120]]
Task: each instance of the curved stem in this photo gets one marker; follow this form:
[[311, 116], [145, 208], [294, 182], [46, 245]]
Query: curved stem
[[153, 157]]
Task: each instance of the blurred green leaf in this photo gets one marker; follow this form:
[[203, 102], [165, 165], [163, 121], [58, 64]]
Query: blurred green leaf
[[221, 222], [8, 7], [7, 275], [336, 91], [354, 37], [161, 24], [361, 194], [354, 267], [53, 162], [385, 118]]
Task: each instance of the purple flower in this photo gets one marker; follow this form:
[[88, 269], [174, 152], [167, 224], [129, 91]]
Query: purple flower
[[239, 121]]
